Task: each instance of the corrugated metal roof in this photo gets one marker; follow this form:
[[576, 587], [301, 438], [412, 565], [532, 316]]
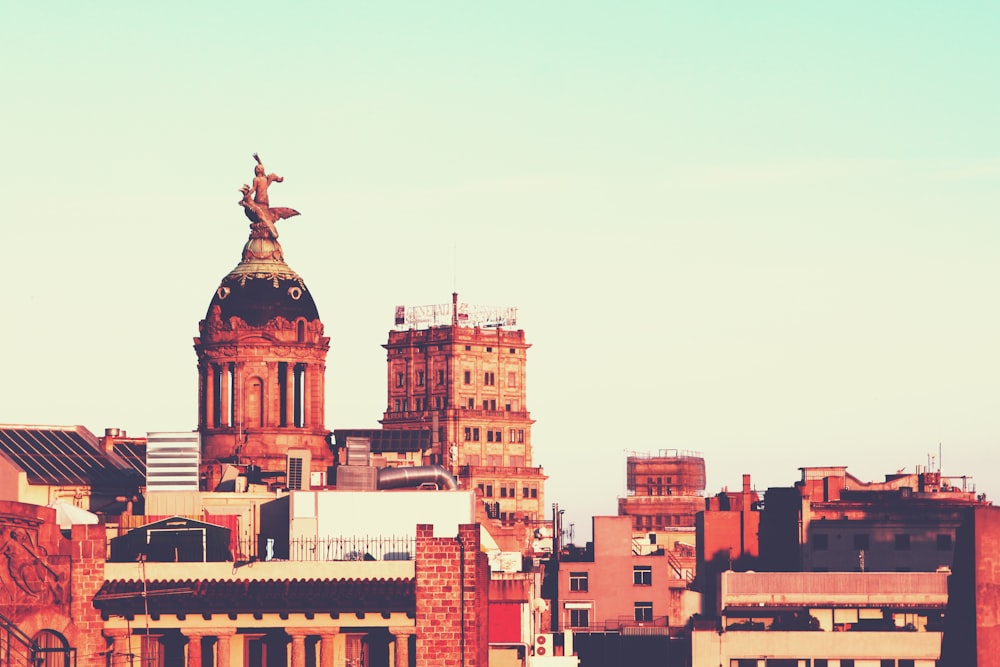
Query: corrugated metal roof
[[63, 455]]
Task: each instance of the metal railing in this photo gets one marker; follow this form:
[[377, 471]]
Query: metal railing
[[351, 548]]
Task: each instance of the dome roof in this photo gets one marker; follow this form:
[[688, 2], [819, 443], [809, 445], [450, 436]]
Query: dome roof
[[262, 287]]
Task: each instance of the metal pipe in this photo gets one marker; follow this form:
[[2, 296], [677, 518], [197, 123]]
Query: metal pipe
[[394, 478]]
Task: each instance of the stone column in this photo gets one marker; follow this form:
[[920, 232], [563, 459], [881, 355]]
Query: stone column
[[222, 646], [298, 636], [328, 649], [119, 645], [402, 647], [194, 638], [209, 404]]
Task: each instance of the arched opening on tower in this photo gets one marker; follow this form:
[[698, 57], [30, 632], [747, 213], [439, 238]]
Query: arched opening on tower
[[255, 402]]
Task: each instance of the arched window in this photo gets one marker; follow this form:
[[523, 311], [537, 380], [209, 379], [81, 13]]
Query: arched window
[[51, 650]]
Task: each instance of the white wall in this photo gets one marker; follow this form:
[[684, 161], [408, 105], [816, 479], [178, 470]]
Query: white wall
[[389, 513]]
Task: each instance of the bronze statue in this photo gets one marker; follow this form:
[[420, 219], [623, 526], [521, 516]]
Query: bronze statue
[[257, 206]]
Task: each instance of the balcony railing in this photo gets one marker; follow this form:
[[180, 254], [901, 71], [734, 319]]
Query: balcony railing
[[353, 548]]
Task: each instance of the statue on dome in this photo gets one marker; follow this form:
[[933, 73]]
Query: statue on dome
[[257, 207]]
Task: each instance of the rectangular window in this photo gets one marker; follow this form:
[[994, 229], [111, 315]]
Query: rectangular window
[[642, 575], [861, 542], [399, 405], [489, 378], [420, 403], [437, 402], [579, 618], [441, 376], [489, 436], [902, 542], [472, 403], [578, 581], [420, 378], [944, 542], [511, 379], [644, 611], [524, 492], [520, 435], [517, 461], [467, 376], [489, 490], [400, 380], [513, 434], [468, 433], [498, 435], [486, 405], [493, 404], [503, 491], [475, 434]]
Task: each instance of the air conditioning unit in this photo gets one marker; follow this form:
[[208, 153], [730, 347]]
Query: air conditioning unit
[[543, 644]]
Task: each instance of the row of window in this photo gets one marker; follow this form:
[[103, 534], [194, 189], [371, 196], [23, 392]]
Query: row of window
[[471, 434], [862, 542], [646, 522], [507, 490], [468, 348], [642, 575], [489, 378], [440, 402]]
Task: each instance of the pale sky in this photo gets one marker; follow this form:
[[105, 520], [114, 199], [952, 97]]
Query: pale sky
[[766, 232]]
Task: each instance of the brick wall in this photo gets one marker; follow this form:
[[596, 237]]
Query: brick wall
[[452, 599], [88, 558]]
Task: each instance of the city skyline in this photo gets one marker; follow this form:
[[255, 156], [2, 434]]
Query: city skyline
[[764, 234]]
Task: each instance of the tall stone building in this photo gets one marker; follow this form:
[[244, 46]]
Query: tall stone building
[[262, 361], [461, 373]]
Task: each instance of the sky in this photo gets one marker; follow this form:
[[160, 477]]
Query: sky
[[764, 232]]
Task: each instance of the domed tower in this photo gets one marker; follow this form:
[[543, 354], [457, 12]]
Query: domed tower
[[261, 363]]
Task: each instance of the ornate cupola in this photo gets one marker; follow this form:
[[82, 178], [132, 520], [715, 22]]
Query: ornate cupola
[[261, 362]]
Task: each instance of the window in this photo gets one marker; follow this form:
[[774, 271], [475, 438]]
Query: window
[[420, 378], [503, 491], [642, 575], [644, 611], [489, 378], [902, 542], [861, 542], [475, 434], [489, 436], [511, 379], [400, 380], [944, 542], [821, 542], [468, 433], [486, 405], [579, 618], [472, 403], [438, 403], [498, 436], [420, 403], [468, 348], [489, 491], [525, 491], [520, 435], [441, 376], [467, 376], [578, 581], [489, 349]]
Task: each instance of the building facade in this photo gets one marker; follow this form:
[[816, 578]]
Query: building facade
[[464, 379]]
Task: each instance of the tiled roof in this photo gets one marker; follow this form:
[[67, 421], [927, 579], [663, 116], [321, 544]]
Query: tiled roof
[[122, 597], [63, 455], [391, 440]]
